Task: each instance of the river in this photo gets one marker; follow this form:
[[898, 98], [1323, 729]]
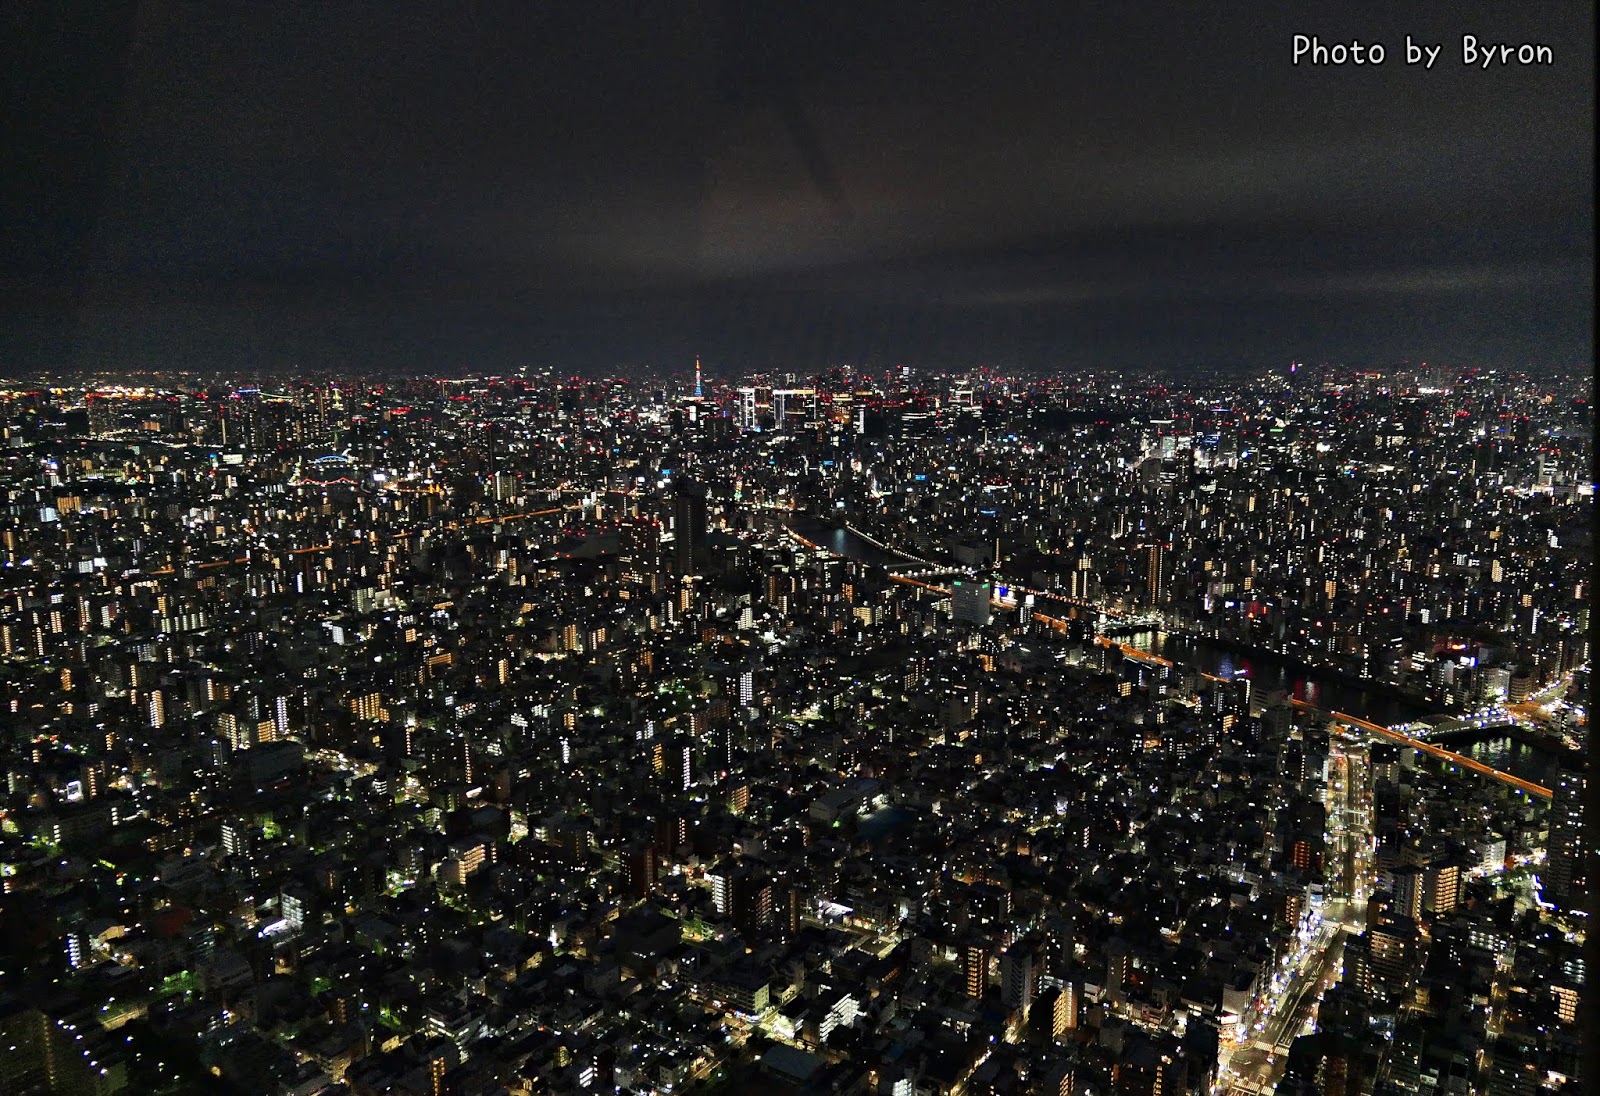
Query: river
[[842, 542], [1520, 759], [1269, 674], [1375, 702]]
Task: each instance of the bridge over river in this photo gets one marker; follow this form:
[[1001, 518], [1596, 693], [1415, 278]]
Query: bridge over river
[[822, 536]]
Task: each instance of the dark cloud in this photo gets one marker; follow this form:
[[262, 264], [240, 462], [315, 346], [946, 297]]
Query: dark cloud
[[412, 186]]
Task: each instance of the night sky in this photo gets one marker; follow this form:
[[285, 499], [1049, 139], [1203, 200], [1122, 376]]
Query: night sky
[[411, 187]]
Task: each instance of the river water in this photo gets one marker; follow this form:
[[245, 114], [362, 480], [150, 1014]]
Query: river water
[[1510, 756], [842, 542], [1267, 674], [1374, 703]]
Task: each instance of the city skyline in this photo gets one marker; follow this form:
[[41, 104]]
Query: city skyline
[[692, 549]]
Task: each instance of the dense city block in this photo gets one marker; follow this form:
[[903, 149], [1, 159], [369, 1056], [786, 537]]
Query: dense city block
[[896, 733]]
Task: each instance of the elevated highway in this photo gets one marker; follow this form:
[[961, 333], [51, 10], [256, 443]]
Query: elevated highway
[[1430, 748]]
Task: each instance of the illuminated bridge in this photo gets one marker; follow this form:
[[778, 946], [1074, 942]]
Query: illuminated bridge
[[1429, 748], [1343, 718]]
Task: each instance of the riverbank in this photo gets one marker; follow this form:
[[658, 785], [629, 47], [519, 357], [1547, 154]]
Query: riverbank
[[1268, 671], [1432, 705]]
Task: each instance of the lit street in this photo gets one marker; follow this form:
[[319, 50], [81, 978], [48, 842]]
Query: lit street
[[1289, 1007]]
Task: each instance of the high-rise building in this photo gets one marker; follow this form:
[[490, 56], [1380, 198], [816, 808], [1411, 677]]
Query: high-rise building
[[752, 901], [975, 967], [1067, 1007], [293, 905], [1058, 1079], [238, 837], [1276, 722], [1443, 887], [674, 762], [1119, 965], [1565, 878], [689, 524], [721, 880], [1156, 574], [1018, 972], [641, 864], [1410, 887], [969, 602], [78, 954]]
